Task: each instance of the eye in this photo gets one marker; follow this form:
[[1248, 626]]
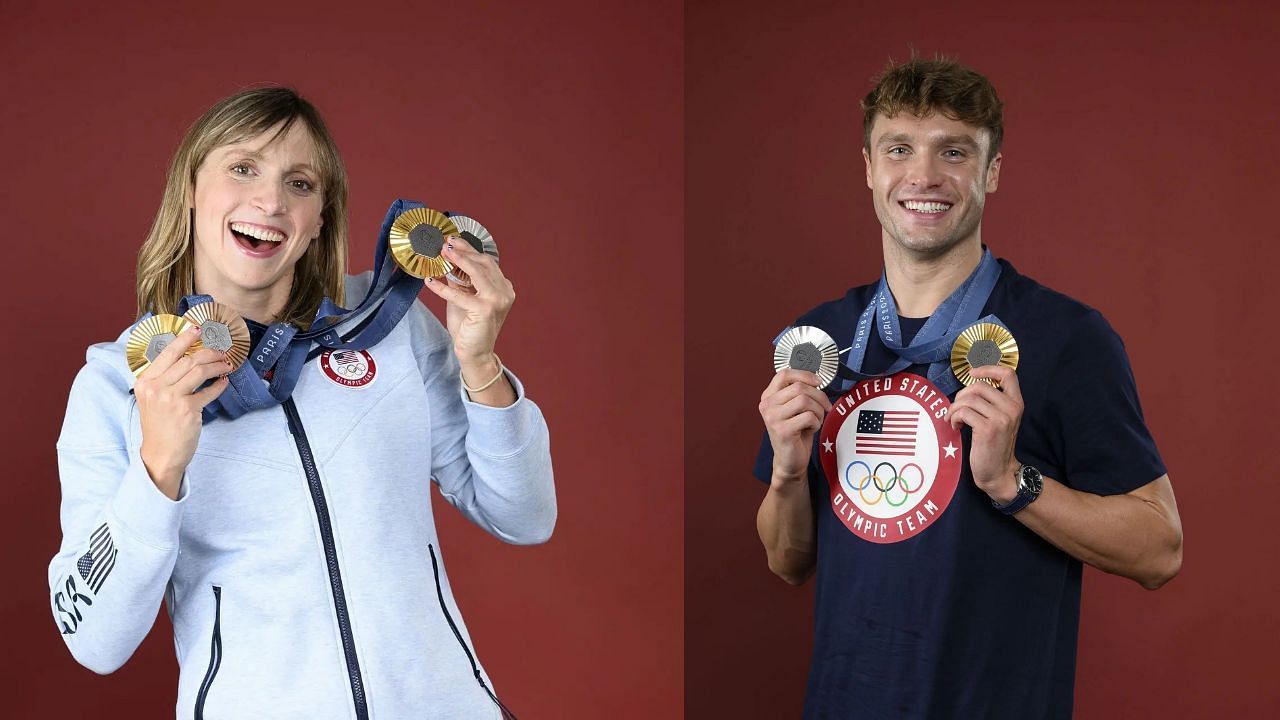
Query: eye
[[953, 154], [302, 185], [898, 150], [244, 169]]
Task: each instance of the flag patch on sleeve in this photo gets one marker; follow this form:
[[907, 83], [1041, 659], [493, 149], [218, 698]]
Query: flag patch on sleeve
[[94, 566]]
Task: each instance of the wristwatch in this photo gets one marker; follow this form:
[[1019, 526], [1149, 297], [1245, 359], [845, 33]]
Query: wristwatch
[[1030, 483]]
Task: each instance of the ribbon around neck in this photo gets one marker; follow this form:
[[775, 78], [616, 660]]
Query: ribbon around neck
[[283, 348], [931, 346]]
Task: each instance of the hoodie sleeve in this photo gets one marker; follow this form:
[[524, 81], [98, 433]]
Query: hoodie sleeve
[[119, 532], [493, 464]]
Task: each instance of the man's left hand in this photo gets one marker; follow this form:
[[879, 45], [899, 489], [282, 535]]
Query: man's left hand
[[994, 416]]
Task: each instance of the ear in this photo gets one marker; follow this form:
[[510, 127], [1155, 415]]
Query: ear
[[866, 159], [993, 173]]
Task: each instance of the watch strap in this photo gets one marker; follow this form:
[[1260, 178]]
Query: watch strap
[[1026, 495]]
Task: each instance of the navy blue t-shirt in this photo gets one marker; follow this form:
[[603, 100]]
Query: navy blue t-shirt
[[976, 616]]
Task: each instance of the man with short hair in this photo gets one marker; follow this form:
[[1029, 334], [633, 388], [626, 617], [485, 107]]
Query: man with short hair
[[947, 523]]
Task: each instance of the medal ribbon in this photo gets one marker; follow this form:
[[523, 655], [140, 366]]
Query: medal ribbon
[[932, 344], [282, 349]]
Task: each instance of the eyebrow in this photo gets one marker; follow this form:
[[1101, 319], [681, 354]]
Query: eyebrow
[[227, 150], [962, 140]]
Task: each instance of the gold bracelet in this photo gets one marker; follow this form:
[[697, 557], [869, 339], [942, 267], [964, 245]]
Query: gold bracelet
[[485, 386]]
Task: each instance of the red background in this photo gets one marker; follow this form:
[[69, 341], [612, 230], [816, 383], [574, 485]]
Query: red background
[[1139, 174], [556, 123]]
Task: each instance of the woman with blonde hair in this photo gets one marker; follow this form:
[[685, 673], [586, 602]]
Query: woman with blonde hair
[[282, 510]]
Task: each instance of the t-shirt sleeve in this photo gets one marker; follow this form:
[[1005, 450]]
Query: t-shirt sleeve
[[1107, 449]]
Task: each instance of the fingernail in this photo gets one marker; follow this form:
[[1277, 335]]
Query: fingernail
[[430, 279], [449, 246], [195, 328]]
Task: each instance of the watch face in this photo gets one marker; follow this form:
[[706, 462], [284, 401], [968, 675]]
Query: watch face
[[1031, 479]]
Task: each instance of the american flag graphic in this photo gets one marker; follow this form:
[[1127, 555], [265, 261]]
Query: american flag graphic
[[95, 565], [886, 432], [347, 356]]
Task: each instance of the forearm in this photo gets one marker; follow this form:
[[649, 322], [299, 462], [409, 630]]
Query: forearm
[[1136, 535], [109, 577], [495, 466], [785, 525], [511, 496]]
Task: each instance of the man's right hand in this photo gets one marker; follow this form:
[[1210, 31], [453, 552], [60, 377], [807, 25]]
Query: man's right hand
[[169, 407], [793, 406]]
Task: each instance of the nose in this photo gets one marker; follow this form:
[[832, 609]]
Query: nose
[[925, 170], [270, 198]]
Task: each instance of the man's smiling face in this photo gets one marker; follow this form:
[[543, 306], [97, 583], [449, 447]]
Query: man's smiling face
[[929, 178]]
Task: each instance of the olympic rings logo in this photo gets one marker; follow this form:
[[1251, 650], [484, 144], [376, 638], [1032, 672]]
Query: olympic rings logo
[[884, 485]]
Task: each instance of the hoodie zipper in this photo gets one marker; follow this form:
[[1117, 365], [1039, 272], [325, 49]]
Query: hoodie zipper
[[475, 669], [330, 555], [215, 654]]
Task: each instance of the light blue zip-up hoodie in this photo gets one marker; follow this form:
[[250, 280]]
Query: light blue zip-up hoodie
[[300, 564]]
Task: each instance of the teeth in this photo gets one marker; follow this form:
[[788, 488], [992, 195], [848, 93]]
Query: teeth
[[927, 207], [259, 233]]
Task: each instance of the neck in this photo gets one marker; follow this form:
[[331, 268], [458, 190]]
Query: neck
[[919, 282], [260, 305]]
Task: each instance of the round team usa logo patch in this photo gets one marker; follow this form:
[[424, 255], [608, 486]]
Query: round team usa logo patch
[[891, 458], [348, 368]]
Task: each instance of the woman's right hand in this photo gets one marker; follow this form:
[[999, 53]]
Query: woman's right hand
[[169, 407]]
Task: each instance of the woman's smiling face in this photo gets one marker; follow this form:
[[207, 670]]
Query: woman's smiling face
[[257, 206]]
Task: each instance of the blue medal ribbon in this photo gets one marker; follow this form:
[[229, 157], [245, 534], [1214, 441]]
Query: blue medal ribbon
[[932, 344], [282, 349]]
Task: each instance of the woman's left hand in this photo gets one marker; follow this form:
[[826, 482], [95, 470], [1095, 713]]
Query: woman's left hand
[[474, 315]]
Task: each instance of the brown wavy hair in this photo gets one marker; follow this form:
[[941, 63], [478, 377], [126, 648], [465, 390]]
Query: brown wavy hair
[[166, 263], [924, 87]]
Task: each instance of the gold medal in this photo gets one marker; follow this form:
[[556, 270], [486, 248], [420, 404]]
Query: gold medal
[[417, 240], [478, 237], [808, 348], [150, 337], [983, 344], [221, 329]]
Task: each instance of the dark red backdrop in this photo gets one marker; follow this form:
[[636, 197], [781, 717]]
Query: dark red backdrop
[[1139, 164], [558, 123]]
